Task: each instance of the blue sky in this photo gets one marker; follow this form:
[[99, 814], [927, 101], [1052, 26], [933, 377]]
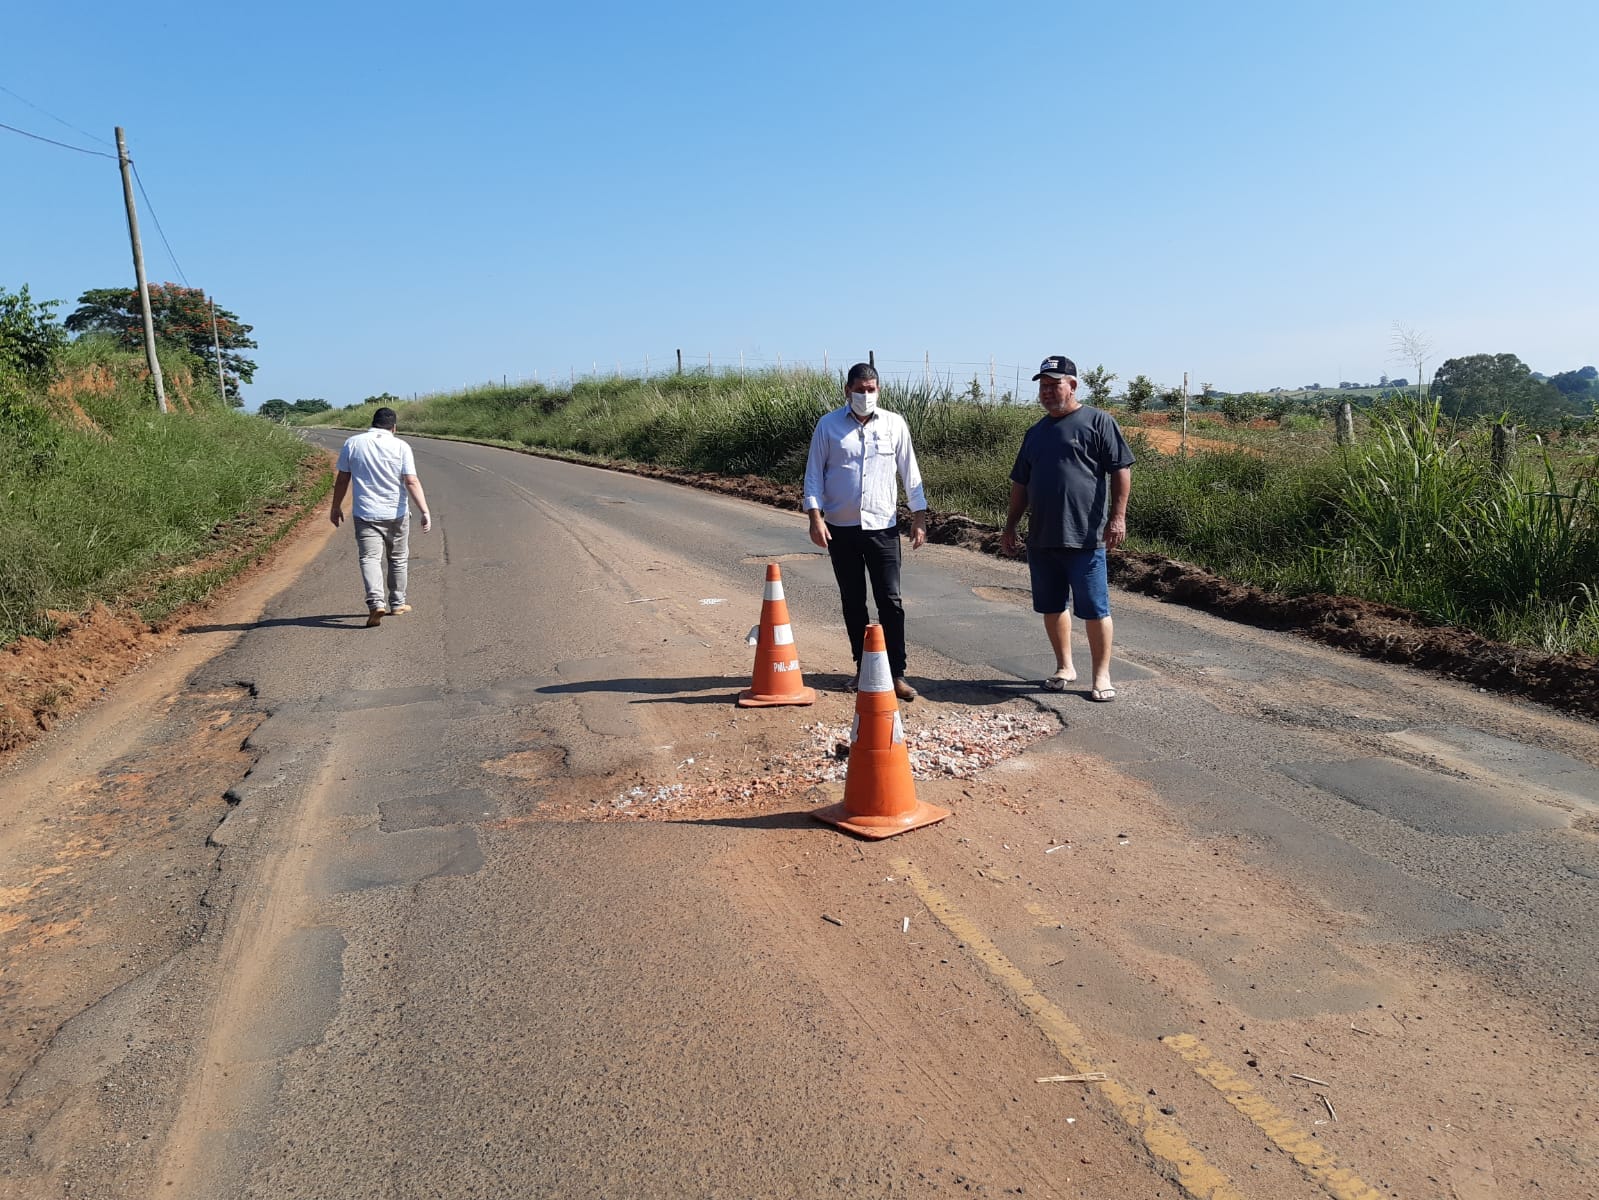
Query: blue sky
[[410, 197]]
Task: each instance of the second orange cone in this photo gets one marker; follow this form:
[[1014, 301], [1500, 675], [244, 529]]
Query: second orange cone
[[879, 793], [777, 670]]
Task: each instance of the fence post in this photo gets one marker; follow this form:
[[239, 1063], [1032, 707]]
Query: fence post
[[680, 362], [1345, 425], [1185, 415], [871, 359], [1503, 451]]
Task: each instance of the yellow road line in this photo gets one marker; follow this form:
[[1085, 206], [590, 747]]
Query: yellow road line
[[1198, 1177], [1338, 1182]]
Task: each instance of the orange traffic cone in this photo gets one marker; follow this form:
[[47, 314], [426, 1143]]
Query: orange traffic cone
[[879, 794], [777, 670]]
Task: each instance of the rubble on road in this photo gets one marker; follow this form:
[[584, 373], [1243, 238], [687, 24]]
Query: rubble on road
[[956, 746]]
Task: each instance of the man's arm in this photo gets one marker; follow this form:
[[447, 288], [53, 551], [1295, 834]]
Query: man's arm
[[1018, 505], [905, 460], [341, 485], [1121, 486], [414, 486], [815, 480]]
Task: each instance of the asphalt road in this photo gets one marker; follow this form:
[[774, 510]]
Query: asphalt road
[[444, 967]]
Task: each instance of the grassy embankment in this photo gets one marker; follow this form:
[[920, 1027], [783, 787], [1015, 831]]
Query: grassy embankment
[[1413, 515], [105, 499]]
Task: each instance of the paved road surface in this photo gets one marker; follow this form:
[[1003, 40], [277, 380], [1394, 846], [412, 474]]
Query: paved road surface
[[1326, 926]]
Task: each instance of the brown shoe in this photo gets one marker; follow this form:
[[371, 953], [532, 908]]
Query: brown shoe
[[903, 689], [398, 609], [374, 616]]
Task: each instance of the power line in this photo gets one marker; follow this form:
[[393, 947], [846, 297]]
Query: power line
[[53, 117], [157, 221], [53, 142]]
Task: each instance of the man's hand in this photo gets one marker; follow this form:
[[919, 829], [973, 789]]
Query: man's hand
[[337, 517], [1008, 543], [1115, 532], [918, 530], [427, 522], [819, 533]]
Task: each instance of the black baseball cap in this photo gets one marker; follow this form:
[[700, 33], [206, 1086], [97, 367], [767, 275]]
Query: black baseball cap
[[1056, 364]]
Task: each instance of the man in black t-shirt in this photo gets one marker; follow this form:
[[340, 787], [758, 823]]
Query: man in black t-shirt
[[1073, 473]]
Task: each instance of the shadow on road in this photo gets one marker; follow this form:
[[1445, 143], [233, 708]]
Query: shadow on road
[[328, 621], [978, 692], [782, 820], [662, 691]]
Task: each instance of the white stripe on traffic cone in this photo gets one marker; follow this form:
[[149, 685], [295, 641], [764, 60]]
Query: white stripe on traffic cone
[[875, 676]]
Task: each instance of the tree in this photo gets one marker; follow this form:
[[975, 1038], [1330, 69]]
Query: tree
[[1576, 383], [31, 338], [1140, 390], [307, 407], [276, 409], [182, 317], [1098, 382], [1242, 406], [1488, 384]]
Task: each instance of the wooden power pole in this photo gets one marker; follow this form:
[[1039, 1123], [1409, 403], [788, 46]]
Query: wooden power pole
[[138, 272]]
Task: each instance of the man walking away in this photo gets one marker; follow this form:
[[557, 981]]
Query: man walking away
[[1073, 473], [382, 470], [858, 454]]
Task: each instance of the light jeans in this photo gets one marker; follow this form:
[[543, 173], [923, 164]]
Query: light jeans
[[376, 541]]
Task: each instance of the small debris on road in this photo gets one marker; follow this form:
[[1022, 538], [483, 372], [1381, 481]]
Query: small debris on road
[[1308, 1079], [1085, 1077], [1328, 1103], [832, 920], [905, 925]]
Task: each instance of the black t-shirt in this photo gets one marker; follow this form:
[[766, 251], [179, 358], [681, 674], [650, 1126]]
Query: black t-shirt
[[1065, 464]]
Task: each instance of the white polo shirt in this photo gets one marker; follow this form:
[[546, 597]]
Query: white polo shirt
[[850, 471], [375, 460]]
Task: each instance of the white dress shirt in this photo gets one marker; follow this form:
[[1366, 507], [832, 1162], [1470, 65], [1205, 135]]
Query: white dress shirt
[[850, 473]]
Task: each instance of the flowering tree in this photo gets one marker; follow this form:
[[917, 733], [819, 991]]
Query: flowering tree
[[182, 316]]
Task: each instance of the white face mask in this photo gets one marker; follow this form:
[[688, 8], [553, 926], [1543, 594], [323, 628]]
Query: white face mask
[[863, 404]]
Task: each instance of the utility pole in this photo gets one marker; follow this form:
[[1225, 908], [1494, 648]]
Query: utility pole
[[138, 271], [216, 343]]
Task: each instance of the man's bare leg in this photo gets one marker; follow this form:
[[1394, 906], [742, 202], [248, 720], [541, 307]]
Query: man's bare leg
[[1100, 635], [1059, 627]]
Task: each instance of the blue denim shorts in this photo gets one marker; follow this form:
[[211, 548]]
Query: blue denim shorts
[[1078, 575]]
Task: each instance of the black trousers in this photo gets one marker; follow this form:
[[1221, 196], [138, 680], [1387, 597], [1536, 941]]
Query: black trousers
[[859, 554]]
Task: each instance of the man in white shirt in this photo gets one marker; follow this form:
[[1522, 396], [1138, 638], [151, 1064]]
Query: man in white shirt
[[381, 469], [858, 454]]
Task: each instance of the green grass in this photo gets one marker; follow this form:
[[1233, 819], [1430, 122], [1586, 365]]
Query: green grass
[[1410, 515], [104, 512]]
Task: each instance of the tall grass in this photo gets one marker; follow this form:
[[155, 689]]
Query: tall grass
[[1430, 526], [1411, 516], [100, 491]]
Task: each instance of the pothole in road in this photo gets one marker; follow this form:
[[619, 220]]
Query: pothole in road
[[756, 560], [1004, 595], [955, 746], [544, 762]]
